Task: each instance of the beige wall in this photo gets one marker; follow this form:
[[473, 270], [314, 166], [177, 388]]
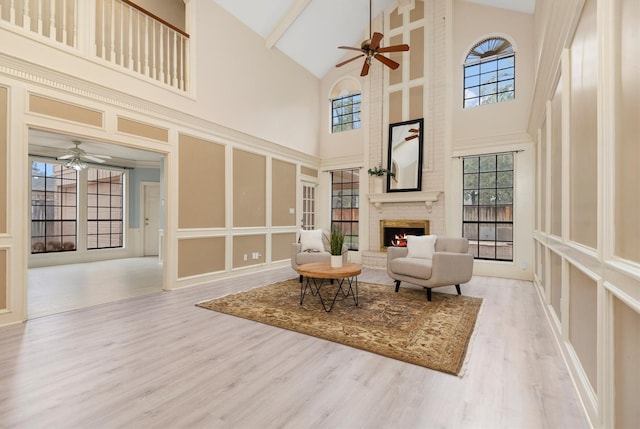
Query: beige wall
[[281, 246], [249, 189], [4, 198], [583, 129], [283, 193], [201, 188], [248, 250], [137, 128], [589, 48], [200, 256], [171, 11], [66, 111], [628, 129], [473, 23], [3, 279]]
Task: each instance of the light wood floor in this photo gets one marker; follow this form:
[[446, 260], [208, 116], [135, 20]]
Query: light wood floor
[[60, 288], [158, 361]]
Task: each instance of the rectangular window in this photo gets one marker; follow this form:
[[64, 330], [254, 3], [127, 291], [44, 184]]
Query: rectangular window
[[489, 81], [105, 208], [345, 113], [53, 207], [487, 206], [345, 203], [308, 206]]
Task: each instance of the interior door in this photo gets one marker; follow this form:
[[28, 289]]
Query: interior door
[[151, 219]]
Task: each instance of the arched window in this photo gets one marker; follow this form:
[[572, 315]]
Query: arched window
[[489, 73], [346, 103]]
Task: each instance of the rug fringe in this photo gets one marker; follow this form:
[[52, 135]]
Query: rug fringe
[[467, 355]]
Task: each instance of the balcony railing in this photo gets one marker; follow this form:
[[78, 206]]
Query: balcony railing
[[120, 33]]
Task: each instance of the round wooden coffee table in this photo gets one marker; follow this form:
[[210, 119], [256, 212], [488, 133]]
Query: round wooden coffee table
[[316, 273]]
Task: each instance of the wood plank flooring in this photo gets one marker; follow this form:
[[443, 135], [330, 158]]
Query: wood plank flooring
[[158, 361]]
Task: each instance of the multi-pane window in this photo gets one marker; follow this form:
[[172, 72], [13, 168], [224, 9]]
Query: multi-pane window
[[487, 206], [53, 207], [345, 112], [105, 208], [489, 73], [345, 203]]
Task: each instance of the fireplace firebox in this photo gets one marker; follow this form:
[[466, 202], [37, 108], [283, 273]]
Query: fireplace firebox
[[394, 232]]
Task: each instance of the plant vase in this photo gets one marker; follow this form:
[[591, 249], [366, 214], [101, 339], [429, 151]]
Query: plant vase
[[336, 261], [377, 184]]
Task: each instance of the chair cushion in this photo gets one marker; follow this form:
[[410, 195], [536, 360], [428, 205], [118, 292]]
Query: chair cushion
[[421, 246], [311, 240], [412, 267], [310, 257]]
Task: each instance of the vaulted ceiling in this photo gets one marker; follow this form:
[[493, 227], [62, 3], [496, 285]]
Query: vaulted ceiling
[[310, 31]]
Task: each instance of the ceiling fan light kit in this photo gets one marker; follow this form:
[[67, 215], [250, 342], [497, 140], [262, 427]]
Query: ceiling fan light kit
[[78, 159], [370, 49]]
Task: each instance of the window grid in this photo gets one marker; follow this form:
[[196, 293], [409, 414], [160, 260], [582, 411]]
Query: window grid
[[105, 209], [345, 203], [345, 113], [53, 208], [487, 217], [489, 73]]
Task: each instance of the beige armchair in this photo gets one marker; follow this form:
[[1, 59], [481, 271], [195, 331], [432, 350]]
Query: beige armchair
[[450, 264], [313, 246]]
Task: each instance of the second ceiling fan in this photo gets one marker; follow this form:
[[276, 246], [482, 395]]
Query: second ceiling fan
[[370, 49]]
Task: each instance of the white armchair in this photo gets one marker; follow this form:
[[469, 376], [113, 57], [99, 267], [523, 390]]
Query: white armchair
[[447, 262], [313, 246]]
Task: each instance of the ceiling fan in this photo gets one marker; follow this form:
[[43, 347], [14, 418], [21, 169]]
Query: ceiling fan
[[78, 158], [370, 49]]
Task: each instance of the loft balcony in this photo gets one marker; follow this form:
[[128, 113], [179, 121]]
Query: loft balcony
[[114, 32]]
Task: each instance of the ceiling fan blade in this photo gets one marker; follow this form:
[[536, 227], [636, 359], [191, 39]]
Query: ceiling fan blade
[[350, 48], [92, 158], [411, 137], [414, 130], [98, 155], [375, 41], [349, 60], [365, 68], [395, 48], [68, 156], [387, 62]]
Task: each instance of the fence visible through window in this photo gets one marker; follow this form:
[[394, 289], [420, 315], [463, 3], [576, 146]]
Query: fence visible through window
[[487, 206]]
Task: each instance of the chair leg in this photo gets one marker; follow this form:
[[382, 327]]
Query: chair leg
[[428, 293], [458, 289], [397, 285], [300, 278]]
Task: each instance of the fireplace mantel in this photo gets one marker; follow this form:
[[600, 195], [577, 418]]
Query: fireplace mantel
[[428, 198]]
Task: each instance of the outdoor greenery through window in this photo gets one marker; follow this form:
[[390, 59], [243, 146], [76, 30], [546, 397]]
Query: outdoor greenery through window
[[345, 203], [489, 73], [53, 207], [345, 112], [487, 207], [105, 206]]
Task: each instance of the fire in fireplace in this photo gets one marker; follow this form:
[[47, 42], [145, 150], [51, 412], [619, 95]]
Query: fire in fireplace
[[395, 232]]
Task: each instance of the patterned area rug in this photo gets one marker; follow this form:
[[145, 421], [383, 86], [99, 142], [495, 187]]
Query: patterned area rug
[[403, 325]]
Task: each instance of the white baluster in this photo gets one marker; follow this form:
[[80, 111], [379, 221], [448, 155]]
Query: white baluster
[[130, 32], [52, 20], [103, 36], [174, 73], [112, 35], [147, 70], [64, 21], [139, 43], [161, 61], [39, 16], [26, 15], [121, 44], [154, 56], [183, 60], [12, 12]]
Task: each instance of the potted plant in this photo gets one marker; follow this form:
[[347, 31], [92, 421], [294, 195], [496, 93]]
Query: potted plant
[[336, 242], [377, 173]]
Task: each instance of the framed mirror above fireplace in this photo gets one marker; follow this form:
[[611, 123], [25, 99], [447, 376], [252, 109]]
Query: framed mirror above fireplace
[[393, 232], [405, 156]]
